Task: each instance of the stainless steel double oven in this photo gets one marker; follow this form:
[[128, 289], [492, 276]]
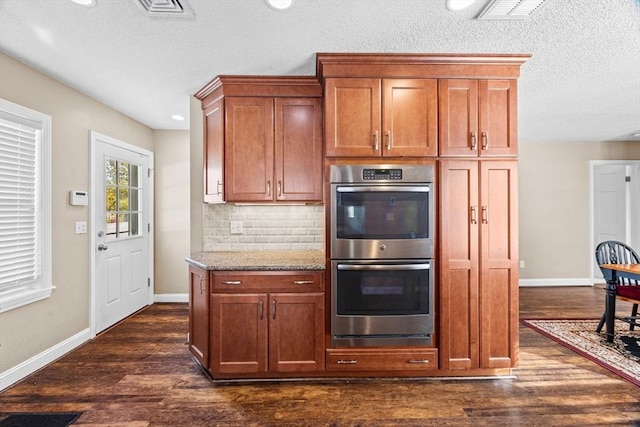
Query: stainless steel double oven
[[382, 221]]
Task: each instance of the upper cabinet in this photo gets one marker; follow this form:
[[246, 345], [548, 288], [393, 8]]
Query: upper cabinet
[[477, 118], [373, 117], [263, 139]]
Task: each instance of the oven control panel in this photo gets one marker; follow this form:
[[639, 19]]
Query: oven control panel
[[382, 174]]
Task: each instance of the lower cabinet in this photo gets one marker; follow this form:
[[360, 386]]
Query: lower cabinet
[[266, 331], [199, 314]]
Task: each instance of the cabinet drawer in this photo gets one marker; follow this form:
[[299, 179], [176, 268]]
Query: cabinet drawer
[[376, 360], [267, 281]]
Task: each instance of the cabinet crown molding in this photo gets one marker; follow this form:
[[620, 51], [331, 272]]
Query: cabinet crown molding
[[419, 65]]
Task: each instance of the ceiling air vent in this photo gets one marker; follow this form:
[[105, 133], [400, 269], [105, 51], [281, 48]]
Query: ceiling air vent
[[511, 9], [166, 8]]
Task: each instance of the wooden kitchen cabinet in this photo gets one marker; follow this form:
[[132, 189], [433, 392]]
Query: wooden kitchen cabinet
[[478, 291], [267, 331], [477, 118], [273, 149], [262, 139], [213, 156], [372, 117], [199, 314]]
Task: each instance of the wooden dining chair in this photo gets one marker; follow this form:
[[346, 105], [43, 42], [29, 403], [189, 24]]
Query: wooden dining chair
[[613, 252]]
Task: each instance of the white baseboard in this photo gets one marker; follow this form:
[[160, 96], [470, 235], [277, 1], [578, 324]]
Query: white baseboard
[[39, 361], [171, 298], [556, 282]]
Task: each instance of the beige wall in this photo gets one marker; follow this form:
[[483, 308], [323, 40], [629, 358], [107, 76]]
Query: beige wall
[[197, 176], [26, 331], [555, 234], [171, 225]]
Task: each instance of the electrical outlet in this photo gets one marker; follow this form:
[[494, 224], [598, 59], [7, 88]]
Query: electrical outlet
[[521, 263], [236, 227]]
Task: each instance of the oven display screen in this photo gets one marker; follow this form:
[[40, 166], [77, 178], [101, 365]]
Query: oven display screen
[[382, 174]]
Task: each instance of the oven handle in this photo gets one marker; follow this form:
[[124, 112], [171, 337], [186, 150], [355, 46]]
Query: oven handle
[[385, 188], [361, 267]]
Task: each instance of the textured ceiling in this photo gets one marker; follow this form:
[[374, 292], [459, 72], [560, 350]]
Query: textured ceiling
[[582, 83]]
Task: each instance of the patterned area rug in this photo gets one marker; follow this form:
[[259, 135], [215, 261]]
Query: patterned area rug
[[621, 357]]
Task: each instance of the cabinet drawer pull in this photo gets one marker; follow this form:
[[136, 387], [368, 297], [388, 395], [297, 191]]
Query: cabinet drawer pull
[[347, 362], [421, 361], [261, 310], [201, 283], [269, 188], [485, 140], [474, 215], [303, 282], [388, 140], [232, 282], [279, 188], [273, 309], [474, 144], [219, 188], [375, 140]]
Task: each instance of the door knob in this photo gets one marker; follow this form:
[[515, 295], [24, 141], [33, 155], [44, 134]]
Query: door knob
[[102, 247]]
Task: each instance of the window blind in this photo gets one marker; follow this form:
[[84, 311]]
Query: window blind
[[20, 266]]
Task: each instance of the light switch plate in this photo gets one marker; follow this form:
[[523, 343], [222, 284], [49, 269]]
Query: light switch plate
[[81, 227]]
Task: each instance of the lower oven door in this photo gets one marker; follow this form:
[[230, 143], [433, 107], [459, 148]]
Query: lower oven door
[[382, 303]]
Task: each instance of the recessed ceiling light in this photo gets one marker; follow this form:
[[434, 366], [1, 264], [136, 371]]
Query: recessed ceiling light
[[455, 5], [177, 117], [86, 3], [280, 4]]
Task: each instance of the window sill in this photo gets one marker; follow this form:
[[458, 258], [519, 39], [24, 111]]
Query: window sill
[[9, 302]]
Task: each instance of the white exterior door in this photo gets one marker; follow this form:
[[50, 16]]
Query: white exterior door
[[121, 230]]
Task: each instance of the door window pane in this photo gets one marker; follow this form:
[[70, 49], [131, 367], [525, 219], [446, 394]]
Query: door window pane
[[122, 199]]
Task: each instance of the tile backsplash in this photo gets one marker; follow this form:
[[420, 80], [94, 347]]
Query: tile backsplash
[[265, 227]]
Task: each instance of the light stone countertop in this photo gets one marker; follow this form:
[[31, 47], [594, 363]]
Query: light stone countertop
[[258, 260]]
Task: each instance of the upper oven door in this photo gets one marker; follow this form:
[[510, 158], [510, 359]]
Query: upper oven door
[[382, 221]]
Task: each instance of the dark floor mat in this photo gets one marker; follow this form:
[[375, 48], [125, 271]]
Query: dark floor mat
[[48, 419]]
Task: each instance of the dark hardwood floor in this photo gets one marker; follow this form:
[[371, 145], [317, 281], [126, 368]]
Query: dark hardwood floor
[[140, 373]]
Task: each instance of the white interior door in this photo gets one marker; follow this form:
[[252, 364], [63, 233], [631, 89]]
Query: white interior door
[[610, 204], [121, 240]]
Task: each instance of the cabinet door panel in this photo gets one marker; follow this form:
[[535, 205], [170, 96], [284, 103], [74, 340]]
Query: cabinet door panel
[[199, 314], [352, 117], [298, 149], [409, 117], [296, 332], [214, 152], [238, 333], [249, 149], [497, 116], [499, 259], [459, 264], [458, 117]]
